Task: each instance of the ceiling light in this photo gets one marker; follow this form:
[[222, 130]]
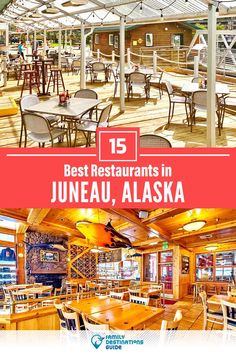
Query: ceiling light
[[75, 3], [95, 250], [212, 247], [50, 10], [153, 243], [194, 225]]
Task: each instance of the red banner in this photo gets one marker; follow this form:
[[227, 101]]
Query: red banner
[[117, 174]]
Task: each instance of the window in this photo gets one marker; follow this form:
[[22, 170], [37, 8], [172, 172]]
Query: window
[[111, 39], [116, 41], [97, 38], [219, 266], [150, 267], [149, 39], [7, 238], [177, 39], [166, 269], [7, 265]]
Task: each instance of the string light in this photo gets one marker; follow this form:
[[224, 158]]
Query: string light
[[162, 16], [141, 7]]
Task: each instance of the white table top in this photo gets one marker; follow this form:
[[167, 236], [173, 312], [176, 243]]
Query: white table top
[[192, 87], [75, 108]]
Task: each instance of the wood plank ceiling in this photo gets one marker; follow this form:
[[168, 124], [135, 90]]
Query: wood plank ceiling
[[160, 224]]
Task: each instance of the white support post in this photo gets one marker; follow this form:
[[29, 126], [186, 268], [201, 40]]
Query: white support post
[[113, 56], [155, 62], [98, 54], [66, 40], [122, 65], [70, 41], [35, 39], [129, 58], [59, 49], [44, 42], [196, 66], [211, 77], [83, 58]]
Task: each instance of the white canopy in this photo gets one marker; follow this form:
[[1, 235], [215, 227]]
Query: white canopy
[[31, 14]]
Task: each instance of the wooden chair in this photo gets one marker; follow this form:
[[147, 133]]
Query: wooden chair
[[59, 306], [134, 292], [116, 295], [56, 81], [17, 297], [172, 325], [211, 290], [176, 98], [93, 326], [154, 141], [38, 129], [71, 319], [31, 80], [156, 297], [229, 315], [139, 300], [209, 315]]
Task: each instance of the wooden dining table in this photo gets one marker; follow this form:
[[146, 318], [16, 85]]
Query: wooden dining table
[[72, 111], [119, 314], [216, 299], [38, 290]]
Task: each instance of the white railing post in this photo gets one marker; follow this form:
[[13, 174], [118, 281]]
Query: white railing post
[[4, 71], [83, 58], [196, 66], [59, 49], [122, 65], [98, 54], [44, 41], [154, 62], [128, 58], [113, 56]]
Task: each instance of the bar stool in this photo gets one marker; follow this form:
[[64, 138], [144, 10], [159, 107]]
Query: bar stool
[[56, 80], [30, 80], [23, 67]]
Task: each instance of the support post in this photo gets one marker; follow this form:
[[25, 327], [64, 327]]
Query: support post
[[211, 77], [70, 41], [59, 49], [196, 66], [154, 62], [98, 54], [122, 65], [83, 58], [113, 56], [128, 58], [66, 40], [35, 40], [44, 42]]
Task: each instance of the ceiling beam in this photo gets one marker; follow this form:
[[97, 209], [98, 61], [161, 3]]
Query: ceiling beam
[[160, 214], [36, 216]]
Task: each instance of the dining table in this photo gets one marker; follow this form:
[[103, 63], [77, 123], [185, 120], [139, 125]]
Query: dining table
[[191, 87], [216, 299], [72, 111], [118, 314], [38, 290]]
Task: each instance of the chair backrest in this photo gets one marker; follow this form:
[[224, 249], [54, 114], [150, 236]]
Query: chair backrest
[[116, 295], [154, 141], [229, 315], [105, 115], [203, 296], [86, 93], [172, 325], [76, 63], [91, 325], [18, 296], [232, 293], [139, 300], [59, 306], [134, 292], [137, 78], [71, 320], [98, 66], [36, 123], [158, 76], [200, 98], [28, 101], [196, 79], [169, 88]]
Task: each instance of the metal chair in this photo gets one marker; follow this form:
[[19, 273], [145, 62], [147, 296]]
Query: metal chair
[[229, 315], [38, 129], [98, 68], [29, 101], [156, 79], [209, 315], [199, 103], [139, 300], [172, 325], [89, 127], [75, 66], [154, 141], [90, 94], [176, 98], [138, 80]]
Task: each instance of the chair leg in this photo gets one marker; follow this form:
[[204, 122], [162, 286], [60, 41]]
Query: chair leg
[[21, 133], [173, 109], [169, 115]]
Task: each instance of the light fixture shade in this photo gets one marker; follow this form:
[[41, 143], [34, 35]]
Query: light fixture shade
[[212, 247], [72, 3], [194, 225]]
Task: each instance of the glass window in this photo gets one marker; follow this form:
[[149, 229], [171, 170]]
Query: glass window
[[225, 274], [150, 267], [7, 265], [111, 39], [204, 274], [7, 238], [177, 39], [205, 260], [166, 257], [97, 39], [225, 258], [166, 275]]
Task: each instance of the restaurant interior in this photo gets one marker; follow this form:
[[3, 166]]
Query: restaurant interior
[[117, 269]]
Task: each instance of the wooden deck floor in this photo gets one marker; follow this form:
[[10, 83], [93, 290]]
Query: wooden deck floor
[[192, 316], [150, 117]]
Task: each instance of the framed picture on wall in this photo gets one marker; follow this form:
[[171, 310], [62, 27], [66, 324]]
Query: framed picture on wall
[[185, 265], [49, 256], [149, 39]]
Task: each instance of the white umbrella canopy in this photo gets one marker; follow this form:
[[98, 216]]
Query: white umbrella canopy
[[71, 13]]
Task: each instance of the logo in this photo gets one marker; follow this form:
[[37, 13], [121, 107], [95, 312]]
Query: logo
[[97, 340]]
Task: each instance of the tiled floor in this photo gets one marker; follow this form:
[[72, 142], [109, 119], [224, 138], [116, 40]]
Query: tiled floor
[[192, 316]]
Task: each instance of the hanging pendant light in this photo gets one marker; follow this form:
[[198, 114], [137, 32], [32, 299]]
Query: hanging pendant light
[[72, 3]]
